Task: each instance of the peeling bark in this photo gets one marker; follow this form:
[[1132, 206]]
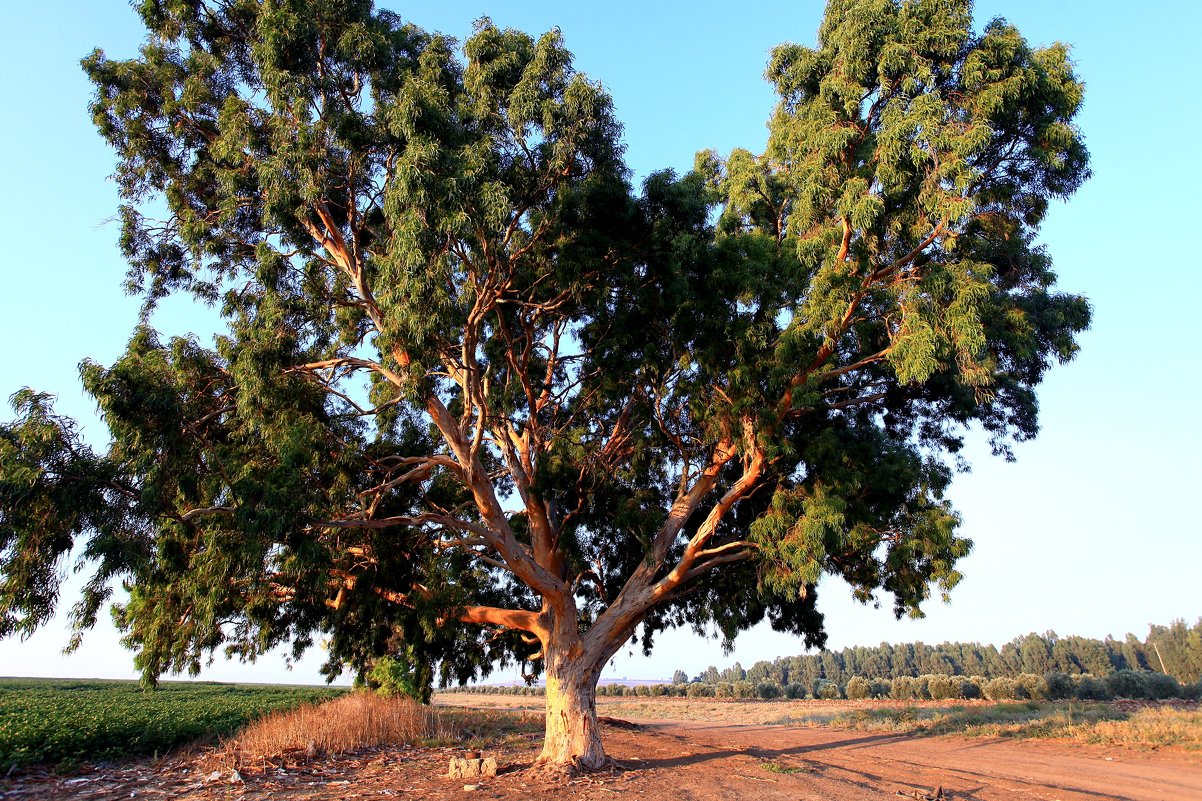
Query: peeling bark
[[573, 736]]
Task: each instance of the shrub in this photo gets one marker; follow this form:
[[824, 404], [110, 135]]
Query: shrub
[[1192, 692], [1161, 686], [699, 689], [744, 689], [905, 688], [1090, 688], [1128, 684], [827, 690], [1060, 686], [858, 688], [724, 689], [795, 690], [659, 690], [1034, 686], [882, 688], [1003, 688], [643, 690], [970, 686], [943, 688], [768, 690], [400, 676]]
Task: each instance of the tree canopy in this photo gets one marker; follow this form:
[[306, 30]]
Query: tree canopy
[[479, 399]]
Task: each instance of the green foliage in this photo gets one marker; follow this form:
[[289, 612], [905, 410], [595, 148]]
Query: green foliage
[[1033, 686], [858, 688], [53, 720], [1179, 647], [1090, 688], [827, 690], [1127, 684], [469, 375], [942, 688], [1003, 689], [1060, 685], [768, 690], [403, 674], [1161, 686], [906, 688], [1058, 658]]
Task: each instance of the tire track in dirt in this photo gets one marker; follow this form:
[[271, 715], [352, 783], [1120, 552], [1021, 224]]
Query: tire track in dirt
[[979, 769]]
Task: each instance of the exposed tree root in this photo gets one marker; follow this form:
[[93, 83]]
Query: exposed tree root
[[559, 771]]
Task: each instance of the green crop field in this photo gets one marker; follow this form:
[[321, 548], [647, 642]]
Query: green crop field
[[66, 720]]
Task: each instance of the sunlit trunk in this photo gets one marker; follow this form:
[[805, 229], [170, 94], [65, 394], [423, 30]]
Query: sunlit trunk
[[573, 738]]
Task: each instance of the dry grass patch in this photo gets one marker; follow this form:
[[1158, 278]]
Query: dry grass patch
[[1153, 727], [494, 728], [1095, 723], [357, 720], [1023, 720]]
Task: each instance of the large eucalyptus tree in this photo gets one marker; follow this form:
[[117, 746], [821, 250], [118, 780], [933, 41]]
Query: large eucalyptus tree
[[478, 400]]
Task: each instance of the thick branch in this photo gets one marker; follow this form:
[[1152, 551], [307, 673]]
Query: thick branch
[[517, 619], [695, 550]]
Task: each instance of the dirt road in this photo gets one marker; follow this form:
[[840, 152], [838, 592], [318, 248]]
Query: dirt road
[[771, 762], [675, 761]]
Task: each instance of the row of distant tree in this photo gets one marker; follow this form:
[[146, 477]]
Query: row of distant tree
[[1175, 650], [1165, 664], [1051, 686]]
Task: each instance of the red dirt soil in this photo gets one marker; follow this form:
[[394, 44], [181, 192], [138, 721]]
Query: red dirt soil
[[676, 760]]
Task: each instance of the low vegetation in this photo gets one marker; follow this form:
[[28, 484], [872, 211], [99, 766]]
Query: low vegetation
[[1096, 723], [1153, 727], [1146, 725], [354, 721], [67, 721], [1050, 686], [1167, 662]]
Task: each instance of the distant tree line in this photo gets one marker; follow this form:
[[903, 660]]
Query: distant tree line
[[1051, 686], [1175, 650], [1166, 664]]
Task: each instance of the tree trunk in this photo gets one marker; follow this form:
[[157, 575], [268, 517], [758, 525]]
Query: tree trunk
[[573, 738]]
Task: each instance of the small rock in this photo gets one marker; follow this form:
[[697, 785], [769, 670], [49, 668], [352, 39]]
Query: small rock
[[215, 776], [236, 777], [461, 768], [470, 787]]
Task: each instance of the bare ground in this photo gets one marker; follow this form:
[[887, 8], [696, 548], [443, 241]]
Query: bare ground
[[672, 760]]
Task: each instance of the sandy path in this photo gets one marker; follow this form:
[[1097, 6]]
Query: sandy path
[[673, 761], [846, 764]]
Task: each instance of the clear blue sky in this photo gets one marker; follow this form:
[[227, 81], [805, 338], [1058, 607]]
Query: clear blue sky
[[1091, 531]]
